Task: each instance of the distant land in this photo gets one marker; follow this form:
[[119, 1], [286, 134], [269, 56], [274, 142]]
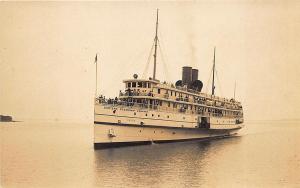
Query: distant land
[[5, 118]]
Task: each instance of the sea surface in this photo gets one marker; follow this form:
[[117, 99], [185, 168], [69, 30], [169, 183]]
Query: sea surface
[[54, 154]]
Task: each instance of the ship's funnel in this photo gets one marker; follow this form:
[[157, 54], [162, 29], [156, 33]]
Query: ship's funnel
[[186, 75], [194, 75]]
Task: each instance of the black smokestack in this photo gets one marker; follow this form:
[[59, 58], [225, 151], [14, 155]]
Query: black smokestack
[[186, 75], [194, 75]]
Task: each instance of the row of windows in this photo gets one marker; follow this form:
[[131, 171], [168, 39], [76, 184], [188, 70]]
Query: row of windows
[[186, 96], [171, 93], [157, 115], [160, 132], [185, 107], [138, 84]]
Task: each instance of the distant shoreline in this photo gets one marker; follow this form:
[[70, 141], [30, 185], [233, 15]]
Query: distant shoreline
[[6, 118]]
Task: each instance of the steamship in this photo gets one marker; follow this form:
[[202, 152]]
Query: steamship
[[149, 111]]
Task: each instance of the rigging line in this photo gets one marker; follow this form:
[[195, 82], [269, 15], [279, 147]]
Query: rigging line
[[162, 45], [164, 63], [135, 60], [148, 62], [132, 62], [209, 78], [220, 88]]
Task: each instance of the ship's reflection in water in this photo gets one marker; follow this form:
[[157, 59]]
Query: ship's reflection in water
[[185, 164], [61, 155]]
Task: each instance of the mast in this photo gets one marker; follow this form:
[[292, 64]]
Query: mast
[[234, 90], [213, 80], [155, 49]]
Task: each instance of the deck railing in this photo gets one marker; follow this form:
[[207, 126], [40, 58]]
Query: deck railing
[[143, 106], [185, 99]]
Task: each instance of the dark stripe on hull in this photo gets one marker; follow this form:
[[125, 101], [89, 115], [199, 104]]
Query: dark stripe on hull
[[125, 144], [119, 144]]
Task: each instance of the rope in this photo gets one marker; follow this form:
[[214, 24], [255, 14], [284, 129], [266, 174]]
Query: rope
[[164, 57], [209, 78], [221, 92], [164, 63], [148, 62]]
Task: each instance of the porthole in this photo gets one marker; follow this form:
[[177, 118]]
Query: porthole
[[158, 115], [167, 116], [153, 131], [134, 113], [146, 114], [152, 115]]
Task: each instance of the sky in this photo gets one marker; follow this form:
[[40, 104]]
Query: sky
[[47, 53]]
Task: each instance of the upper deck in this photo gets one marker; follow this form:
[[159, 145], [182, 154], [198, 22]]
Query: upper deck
[[142, 88]]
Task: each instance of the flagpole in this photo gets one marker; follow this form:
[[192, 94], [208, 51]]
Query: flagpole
[[95, 99], [96, 88]]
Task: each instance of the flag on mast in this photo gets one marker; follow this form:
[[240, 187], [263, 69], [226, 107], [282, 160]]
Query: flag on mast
[[96, 58]]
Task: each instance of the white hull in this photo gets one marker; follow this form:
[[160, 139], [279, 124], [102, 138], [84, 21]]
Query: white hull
[[121, 126], [111, 135]]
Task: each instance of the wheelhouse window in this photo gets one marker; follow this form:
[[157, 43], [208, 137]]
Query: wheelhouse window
[[133, 84], [158, 91], [149, 85], [129, 84], [144, 84], [140, 84]]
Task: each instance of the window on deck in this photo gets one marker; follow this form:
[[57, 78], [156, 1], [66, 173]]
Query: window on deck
[[140, 84], [133, 84], [144, 84]]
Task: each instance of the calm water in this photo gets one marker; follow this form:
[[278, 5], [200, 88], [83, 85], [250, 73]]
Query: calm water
[[266, 154]]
